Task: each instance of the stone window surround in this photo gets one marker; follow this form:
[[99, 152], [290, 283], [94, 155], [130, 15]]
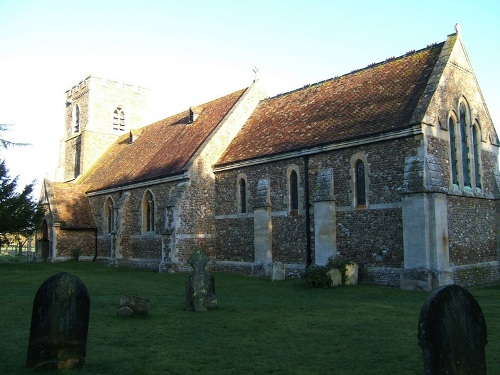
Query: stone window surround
[[474, 139], [359, 156], [242, 207], [148, 212], [299, 193], [108, 215]]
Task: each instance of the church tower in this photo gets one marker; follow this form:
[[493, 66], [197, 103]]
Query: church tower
[[98, 111]]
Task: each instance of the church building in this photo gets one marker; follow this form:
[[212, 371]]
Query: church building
[[393, 166]]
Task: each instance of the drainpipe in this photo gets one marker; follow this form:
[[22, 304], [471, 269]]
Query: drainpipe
[[95, 256], [308, 218]]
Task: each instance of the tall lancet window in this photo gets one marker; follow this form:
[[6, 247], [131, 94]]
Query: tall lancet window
[[78, 159], [453, 150], [75, 117], [360, 185], [148, 212], [109, 216], [294, 191], [242, 195], [476, 146], [464, 135]]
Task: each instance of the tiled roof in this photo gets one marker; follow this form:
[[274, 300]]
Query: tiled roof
[[377, 99], [70, 206], [161, 149]]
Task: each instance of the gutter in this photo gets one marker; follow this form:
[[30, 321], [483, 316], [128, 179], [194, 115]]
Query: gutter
[[308, 218], [177, 177], [409, 131]]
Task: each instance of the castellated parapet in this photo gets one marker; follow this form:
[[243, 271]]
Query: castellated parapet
[[80, 88]]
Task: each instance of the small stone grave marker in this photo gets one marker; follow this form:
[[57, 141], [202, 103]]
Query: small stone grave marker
[[351, 274], [336, 276], [59, 324], [200, 285], [133, 305], [278, 272], [452, 333]]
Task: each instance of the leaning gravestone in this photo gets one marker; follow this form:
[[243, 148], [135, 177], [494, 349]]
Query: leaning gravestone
[[200, 286], [59, 324], [452, 333]]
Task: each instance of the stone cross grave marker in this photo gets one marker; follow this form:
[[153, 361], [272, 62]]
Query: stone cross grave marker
[[452, 333], [200, 285], [59, 324]]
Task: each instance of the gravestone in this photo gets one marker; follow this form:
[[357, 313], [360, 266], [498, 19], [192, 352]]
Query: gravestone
[[351, 274], [59, 324], [124, 312], [452, 333], [138, 305], [336, 276], [200, 285], [278, 272]]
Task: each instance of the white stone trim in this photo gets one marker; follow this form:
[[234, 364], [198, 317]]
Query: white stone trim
[[414, 130], [138, 185]]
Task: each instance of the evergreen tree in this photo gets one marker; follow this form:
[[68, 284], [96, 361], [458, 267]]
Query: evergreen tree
[[20, 214]]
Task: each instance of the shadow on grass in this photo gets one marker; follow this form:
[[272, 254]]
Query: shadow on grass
[[260, 326]]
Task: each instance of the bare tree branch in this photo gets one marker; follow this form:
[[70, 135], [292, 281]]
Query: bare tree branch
[[4, 142]]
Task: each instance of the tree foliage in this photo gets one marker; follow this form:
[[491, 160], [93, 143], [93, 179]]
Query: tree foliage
[[20, 214]]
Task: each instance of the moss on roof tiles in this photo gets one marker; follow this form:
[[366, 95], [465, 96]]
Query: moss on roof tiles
[[162, 149], [379, 98]]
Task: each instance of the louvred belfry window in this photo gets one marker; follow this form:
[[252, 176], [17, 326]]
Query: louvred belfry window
[[119, 119]]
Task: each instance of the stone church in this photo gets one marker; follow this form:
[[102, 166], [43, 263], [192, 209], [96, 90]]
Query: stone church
[[393, 166]]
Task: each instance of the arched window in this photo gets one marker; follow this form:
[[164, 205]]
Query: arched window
[[453, 150], [465, 149], [360, 183], [75, 118], [476, 146], [294, 191], [242, 195], [109, 216], [78, 156], [148, 212], [464, 138], [119, 119]]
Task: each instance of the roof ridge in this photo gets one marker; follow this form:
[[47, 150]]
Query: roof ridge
[[369, 66]]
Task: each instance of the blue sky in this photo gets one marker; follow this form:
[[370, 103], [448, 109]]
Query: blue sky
[[189, 52]]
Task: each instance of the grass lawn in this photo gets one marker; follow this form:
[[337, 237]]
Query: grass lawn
[[260, 327]]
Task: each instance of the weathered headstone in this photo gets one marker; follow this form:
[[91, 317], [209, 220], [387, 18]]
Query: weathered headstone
[[452, 333], [124, 312], [138, 305], [278, 272], [200, 285], [59, 324], [336, 276], [351, 274]]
